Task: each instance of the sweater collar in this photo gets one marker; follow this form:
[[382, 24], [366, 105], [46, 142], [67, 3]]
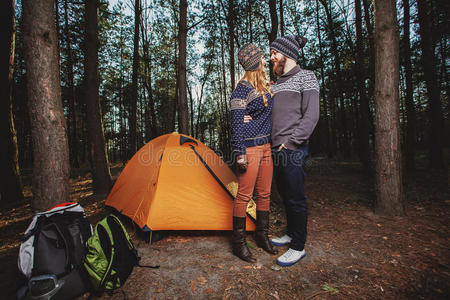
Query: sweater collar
[[292, 71], [246, 83]]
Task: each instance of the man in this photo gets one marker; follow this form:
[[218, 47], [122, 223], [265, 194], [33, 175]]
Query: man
[[295, 114]]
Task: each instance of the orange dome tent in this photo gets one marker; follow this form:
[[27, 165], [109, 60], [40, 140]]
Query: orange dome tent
[[175, 182]]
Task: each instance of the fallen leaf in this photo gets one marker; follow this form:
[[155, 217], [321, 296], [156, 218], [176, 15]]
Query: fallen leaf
[[209, 291], [276, 267], [202, 280], [275, 295], [396, 255], [329, 288], [193, 286]]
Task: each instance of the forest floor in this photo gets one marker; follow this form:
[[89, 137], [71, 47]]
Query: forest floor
[[352, 253]]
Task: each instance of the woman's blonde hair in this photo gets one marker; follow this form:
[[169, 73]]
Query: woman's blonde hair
[[258, 79]]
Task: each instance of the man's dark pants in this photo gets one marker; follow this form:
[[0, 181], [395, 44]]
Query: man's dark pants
[[289, 176]]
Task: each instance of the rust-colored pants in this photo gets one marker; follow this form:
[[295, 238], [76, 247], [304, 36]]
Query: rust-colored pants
[[258, 176]]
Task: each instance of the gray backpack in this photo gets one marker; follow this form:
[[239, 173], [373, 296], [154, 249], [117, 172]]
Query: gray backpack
[[52, 252]]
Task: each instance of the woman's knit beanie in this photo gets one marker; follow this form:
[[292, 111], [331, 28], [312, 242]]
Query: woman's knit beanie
[[250, 56]]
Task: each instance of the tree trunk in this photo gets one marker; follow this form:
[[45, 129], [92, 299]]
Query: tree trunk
[[73, 140], [389, 188], [409, 101], [11, 184], [249, 19], [329, 147], [183, 125], [337, 81], [371, 75], [230, 19], [148, 84], [48, 125], [273, 32], [175, 99], [429, 63], [281, 18], [363, 126], [369, 28], [134, 85], [100, 166], [58, 31]]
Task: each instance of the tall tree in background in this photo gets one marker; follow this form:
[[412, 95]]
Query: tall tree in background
[[330, 138], [11, 184], [73, 140], [273, 32], [151, 128], [409, 101], [48, 125], [363, 126], [183, 124], [281, 18], [101, 175], [429, 63], [337, 78], [132, 147], [389, 186], [230, 23]]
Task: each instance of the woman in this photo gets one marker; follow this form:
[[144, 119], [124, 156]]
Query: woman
[[251, 145]]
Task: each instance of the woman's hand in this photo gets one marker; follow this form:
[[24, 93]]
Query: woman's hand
[[247, 118], [242, 163]]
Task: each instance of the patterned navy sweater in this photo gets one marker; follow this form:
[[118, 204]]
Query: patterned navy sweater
[[246, 101]]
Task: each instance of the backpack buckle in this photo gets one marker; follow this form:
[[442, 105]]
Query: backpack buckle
[[44, 286]]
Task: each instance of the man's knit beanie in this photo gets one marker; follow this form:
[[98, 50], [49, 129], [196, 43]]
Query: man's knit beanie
[[289, 45], [250, 56]]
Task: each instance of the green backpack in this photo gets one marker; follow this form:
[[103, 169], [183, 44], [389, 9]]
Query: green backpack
[[111, 255]]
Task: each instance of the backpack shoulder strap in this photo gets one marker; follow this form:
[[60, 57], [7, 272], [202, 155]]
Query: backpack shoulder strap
[[105, 227]]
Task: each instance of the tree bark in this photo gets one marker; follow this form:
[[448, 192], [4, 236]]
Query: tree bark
[[369, 28], [58, 31], [148, 84], [371, 75], [48, 125], [363, 126], [273, 32], [389, 188], [134, 85], [73, 140], [329, 146], [429, 63], [11, 184], [281, 18], [97, 148], [409, 101], [183, 124]]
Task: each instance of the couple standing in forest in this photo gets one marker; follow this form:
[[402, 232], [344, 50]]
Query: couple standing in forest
[[271, 125]]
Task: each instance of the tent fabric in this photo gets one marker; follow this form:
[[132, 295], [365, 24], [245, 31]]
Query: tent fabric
[[176, 182]]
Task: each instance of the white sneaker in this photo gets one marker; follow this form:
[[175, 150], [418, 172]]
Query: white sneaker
[[281, 241], [290, 257]]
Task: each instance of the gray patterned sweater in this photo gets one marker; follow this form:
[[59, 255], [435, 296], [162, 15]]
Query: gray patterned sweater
[[296, 108]]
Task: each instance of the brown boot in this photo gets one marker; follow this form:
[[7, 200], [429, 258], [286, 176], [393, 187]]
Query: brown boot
[[238, 241], [262, 229]]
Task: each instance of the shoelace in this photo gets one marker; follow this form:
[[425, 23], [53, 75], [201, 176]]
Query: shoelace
[[289, 253]]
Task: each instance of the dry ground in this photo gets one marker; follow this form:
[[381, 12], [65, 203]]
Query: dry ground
[[351, 252]]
